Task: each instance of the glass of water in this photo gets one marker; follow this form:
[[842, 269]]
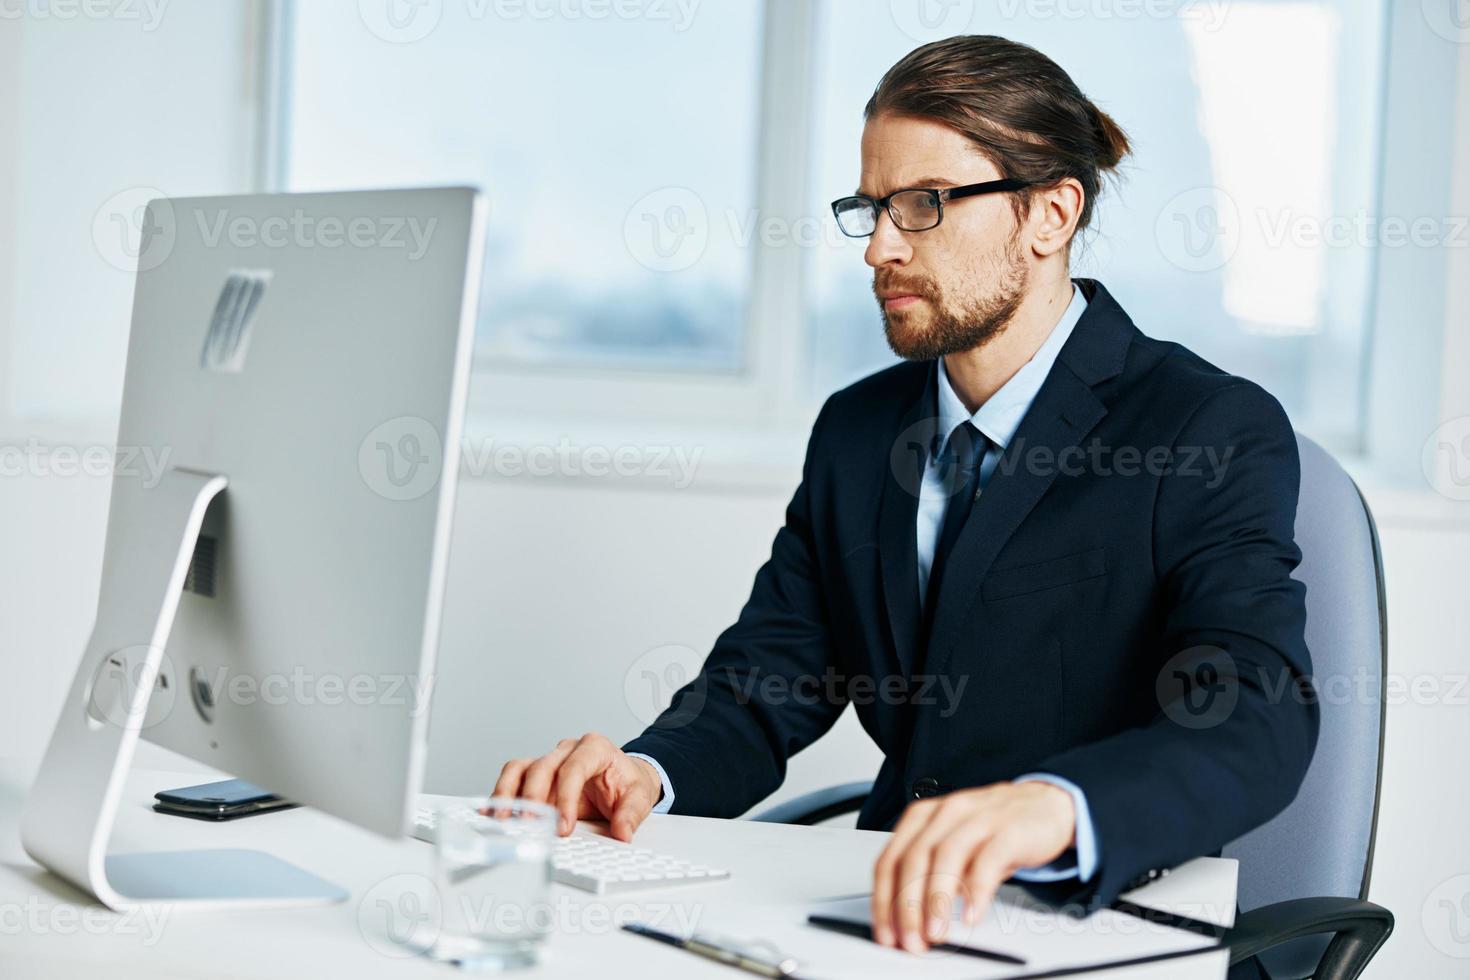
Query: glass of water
[[493, 871]]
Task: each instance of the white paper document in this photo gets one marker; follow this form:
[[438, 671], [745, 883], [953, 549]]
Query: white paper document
[[1016, 924]]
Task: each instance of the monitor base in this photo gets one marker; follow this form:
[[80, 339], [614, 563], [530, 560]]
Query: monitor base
[[224, 878], [116, 693]]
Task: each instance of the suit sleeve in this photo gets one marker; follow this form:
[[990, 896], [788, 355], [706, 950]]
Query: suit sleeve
[[1236, 721], [763, 693]]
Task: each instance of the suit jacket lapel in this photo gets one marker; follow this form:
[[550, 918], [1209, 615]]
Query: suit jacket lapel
[[897, 521], [1065, 411]]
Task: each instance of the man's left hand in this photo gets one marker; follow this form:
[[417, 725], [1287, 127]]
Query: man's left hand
[[964, 845]]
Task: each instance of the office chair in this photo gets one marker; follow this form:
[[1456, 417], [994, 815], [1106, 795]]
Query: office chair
[[1304, 874]]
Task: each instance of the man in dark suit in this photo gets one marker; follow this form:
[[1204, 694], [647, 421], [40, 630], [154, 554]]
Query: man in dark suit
[[1047, 559]]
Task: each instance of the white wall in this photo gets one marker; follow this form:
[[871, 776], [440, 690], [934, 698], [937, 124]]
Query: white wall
[[50, 563], [562, 603], [1422, 841], [105, 113], [558, 591]]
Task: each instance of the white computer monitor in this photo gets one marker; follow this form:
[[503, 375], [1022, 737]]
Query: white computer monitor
[[271, 592]]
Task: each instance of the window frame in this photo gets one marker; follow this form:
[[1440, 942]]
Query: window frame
[[768, 393], [554, 395]]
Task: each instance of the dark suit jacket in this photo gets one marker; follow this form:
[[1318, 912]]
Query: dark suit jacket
[[1119, 609]]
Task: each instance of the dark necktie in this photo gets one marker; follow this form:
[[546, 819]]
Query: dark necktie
[[965, 452]]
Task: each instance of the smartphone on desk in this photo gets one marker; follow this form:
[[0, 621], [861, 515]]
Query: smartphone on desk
[[225, 800]]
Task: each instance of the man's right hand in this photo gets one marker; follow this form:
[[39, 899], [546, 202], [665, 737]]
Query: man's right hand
[[587, 778]]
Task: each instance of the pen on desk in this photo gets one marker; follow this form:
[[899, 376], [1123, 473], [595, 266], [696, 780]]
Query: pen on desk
[[777, 968], [862, 930]]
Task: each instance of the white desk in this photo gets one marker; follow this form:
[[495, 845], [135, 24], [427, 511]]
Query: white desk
[[49, 929]]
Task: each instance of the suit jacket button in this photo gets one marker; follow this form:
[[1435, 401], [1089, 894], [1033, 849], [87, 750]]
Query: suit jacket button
[[925, 787], [1151, 875]]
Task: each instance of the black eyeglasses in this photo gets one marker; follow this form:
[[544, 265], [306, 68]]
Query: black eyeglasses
[[912, 209]]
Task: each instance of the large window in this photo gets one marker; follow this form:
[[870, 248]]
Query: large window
[[659, 174], [613, 142]]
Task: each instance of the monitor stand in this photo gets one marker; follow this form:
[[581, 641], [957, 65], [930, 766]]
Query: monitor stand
[[69, 815]]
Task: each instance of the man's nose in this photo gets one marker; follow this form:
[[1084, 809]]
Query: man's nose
[[887, 245]]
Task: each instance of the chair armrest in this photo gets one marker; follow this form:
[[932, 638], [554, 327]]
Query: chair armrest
[[1358, 929], [818, 805]]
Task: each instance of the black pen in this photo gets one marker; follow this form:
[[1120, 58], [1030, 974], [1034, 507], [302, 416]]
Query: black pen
[[862, 930]]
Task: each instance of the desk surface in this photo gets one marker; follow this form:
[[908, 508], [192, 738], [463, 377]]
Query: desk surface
[[49, 929]]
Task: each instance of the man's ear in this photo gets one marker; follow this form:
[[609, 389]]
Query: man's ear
[[1054, 214]]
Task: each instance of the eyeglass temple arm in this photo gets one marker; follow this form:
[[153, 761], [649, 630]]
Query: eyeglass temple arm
[[988, 187]]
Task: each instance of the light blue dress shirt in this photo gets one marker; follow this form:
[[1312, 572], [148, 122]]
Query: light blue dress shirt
[[998, 419]]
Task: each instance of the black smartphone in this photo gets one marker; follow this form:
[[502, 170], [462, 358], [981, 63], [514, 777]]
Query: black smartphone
[[225, 800]]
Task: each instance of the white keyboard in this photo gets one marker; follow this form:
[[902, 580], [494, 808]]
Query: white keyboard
[[602, 865]]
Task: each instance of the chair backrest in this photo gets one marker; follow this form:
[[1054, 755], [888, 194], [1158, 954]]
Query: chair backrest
[[1322, 844]]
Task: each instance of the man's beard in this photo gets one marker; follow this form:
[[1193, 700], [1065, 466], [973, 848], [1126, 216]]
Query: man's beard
[[915, 336]]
